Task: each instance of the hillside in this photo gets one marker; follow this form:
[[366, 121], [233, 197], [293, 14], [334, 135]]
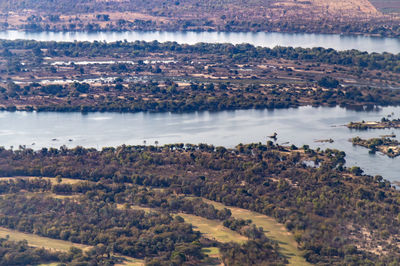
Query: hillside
[[229, 15], [387, 6]]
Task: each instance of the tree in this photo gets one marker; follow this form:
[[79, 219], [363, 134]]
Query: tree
[[328, 82]]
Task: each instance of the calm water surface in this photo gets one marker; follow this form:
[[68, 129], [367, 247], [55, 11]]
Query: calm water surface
[[299, 126], [306, 40], [296, 126]]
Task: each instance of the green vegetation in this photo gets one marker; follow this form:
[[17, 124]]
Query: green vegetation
[[22, 253], [272, 229], [41, 242], [265, 186], [87, 225], [384, 123], [387, 146], [246, 77], [51, 244], [213, 229], [240, 53], [19, 253]]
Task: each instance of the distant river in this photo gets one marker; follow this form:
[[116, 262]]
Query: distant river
[[306, 40], [299, 126]]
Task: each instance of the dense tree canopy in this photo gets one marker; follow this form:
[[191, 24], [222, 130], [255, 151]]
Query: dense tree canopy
[[321, 205]]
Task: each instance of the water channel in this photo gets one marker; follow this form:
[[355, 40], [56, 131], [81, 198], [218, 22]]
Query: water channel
[[299, 126], [306, 40]]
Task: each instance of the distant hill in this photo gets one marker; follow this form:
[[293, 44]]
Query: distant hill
[[335, 16], [195, 8], [387, 6]]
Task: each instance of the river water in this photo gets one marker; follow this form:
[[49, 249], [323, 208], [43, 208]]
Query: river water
[[306, 40], [298, 126]]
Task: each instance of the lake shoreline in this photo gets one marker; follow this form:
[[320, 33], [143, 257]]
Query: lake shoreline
[[199, 31], [226, 128], [271, 39]]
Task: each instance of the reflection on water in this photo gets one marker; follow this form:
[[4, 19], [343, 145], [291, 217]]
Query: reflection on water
[[299, 126], [307, 40]]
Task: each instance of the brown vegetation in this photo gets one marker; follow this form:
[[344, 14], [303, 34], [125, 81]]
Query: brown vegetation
[[142, 76], [343, 16], [384, 123], [323, 206], [387, 146]]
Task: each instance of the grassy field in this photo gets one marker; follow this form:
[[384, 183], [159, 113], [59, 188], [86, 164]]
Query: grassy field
[[130, 262], [213, 229], [134, 207], [273, 230], [213, 251], [44, 194], [52, 179], [39, 241], [214, 257], [58, 245]]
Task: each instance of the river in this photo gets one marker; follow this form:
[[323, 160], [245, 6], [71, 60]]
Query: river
[[306, 40], [299, 126]]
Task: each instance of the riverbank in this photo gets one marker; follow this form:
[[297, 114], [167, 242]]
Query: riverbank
[[388, 146], [170, 77], [340, 42], [384, 123], [228, 128]]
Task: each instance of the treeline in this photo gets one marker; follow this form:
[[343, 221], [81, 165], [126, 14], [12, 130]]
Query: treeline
[[253, 252], [129, 232], [20, 253], [259, 250], [204, 15], [240, 53], [318, 204], [388, 28], [112, 192], [159, 97], [116, 191]]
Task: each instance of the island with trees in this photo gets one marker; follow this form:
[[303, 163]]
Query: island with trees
[[383, 124], [388, 146], [159, 77]]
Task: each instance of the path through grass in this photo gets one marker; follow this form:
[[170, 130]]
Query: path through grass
[[40, 241], [273, 230], [57, 245], [213, 229]]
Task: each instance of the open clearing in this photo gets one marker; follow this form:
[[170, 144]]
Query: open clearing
[[215, 256], [272, 229], [39, 241], [44, 194], [55, 244], [213, 229], [134, 207], [52, 179]]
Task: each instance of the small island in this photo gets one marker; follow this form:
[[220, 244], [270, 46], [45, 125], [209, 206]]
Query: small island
[[387, 146], [383, 124]]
